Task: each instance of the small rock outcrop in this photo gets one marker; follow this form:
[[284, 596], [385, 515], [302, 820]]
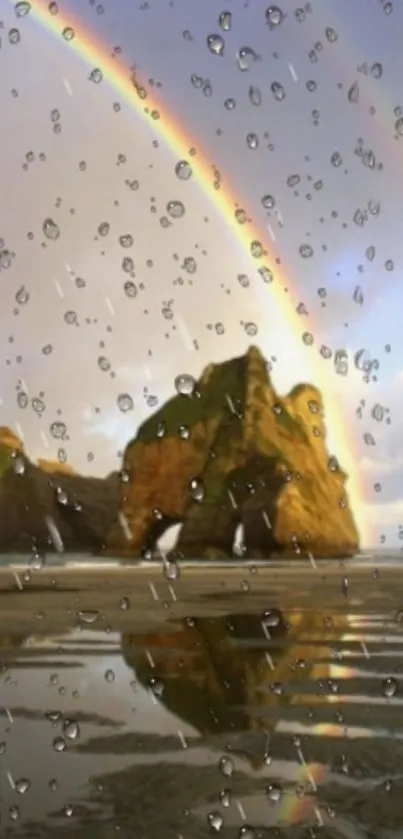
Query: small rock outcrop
[[51, 508], [232, 456]]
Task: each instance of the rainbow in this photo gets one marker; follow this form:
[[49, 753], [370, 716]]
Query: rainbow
[[95, 54]]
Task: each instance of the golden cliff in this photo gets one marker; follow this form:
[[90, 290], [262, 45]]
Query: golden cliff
[[231, 452]]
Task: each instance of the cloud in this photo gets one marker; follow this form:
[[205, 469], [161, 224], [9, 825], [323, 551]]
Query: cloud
[[386, 515]]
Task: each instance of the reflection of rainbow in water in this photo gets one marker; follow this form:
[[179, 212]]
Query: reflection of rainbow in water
[[296, 808]]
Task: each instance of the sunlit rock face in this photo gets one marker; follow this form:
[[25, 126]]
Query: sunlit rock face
[[228, 451]]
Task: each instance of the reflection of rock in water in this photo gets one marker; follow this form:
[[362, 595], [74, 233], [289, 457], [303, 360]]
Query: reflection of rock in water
[[224, 674], [207, 677]]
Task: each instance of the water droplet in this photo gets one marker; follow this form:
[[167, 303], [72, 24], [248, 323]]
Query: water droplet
[[125, 402], [336, 159], [197, 489], [109, 676], [22, 399], [271, 618], [124, 604], [246, 57], [256, 249], [36, 562], [374, 207], [306, 251], [130, 289], [225, 797], [215, 821], [266, 274], [251, 329], [377, 70], [225, 21], [59, 744], [246, 832], [274, 793], [390, 687], [362, 360], [341, 362], [21, 9], [156, 686], [175, 209], [22, 785], [358, 295], [196, 81], [19, 465], [68, 33], [226, 766], [96, 76], [58, 430], [331, 34], [252, 141], [183, 170], [38, 405], [354, 93], [278, 91], [216, 44], [70, 317], [274, 17], [71, 729], [185, 384], [268, 202], [127, 265], [5, 259], [189, 264], [104, 228], [126, 241], [171, 570], [104, 364], [88, 616], [50, 229], [14, 36], [377, 412], [22, 296]]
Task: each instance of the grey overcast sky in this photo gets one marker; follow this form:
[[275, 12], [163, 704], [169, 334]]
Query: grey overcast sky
[[303, 105]]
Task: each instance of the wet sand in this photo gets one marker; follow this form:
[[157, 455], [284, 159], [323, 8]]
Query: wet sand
[[122, 693], [53, 595]]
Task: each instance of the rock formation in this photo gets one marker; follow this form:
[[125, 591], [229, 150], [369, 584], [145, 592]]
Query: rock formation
[[51, 508], [233, 453]]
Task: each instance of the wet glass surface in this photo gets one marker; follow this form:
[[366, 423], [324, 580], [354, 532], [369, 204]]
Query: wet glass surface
[[232, 701]]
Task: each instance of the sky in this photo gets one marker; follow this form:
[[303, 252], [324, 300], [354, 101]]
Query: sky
[[327, 148]]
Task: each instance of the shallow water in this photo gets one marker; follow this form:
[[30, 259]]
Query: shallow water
[[222, 701]]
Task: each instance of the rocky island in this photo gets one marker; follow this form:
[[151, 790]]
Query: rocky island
[[47, 506], [243, 471], [228, 453]]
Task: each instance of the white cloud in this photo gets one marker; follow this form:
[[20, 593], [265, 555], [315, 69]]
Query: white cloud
[[382, 466], [385, 515]]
